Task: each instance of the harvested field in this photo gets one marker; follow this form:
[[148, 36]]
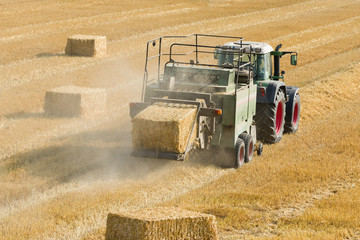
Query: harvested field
[[60, 177]]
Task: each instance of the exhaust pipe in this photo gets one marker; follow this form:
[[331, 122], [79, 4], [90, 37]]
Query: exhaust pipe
[[277, 61]]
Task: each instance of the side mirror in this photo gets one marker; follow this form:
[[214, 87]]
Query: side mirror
[[293, 60]]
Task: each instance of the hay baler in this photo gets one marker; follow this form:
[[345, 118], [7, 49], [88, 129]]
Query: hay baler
[[223, 94]]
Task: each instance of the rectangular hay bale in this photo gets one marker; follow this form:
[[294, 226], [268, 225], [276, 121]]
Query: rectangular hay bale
[[164, 127], [72, 101], [85, 45], [161, 223]]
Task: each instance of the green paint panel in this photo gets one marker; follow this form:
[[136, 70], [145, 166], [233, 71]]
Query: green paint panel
[[199, 75], [245, 108], [228, 110]]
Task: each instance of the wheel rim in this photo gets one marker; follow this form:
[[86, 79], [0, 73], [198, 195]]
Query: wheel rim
[[241, 154], [251, 150], [296, 114], [279, 117]]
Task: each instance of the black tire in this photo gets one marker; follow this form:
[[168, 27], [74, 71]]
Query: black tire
[[239, 153], [270, 119], [260, 149], [249, 146], [293, 115]]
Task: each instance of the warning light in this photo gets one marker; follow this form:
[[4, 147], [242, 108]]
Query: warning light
[[218, 112], [262, 91]]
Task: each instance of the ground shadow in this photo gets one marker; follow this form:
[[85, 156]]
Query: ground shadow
[[49, 55], [24, 115], [100, 154], [43, 114]]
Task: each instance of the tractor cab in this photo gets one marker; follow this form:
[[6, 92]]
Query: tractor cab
[[256, 53], [261, 61]]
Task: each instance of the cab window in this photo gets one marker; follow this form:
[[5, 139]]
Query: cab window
[[262, 69]]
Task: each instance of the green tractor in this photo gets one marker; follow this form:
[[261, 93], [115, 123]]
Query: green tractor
[[238, 101], [277, 105]]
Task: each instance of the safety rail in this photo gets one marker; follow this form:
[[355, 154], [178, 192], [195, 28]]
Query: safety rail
[[197, 50]]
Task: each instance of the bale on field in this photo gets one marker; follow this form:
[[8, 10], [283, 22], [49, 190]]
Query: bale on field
[[84, 45], [161, 223], [71, 101], [164, 127]]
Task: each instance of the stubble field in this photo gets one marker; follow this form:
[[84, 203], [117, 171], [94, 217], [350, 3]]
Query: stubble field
[[59, 177]]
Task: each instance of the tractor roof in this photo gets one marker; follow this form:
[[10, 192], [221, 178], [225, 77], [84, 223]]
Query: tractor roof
[[257, 47]]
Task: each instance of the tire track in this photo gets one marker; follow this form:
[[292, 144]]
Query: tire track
[[293, 211]]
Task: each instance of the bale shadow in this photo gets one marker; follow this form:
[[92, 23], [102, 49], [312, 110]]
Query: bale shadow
[[25, 115], [49, 55], [100, 154], [42, 114]]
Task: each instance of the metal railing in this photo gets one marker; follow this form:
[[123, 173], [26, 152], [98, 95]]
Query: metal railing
[[197, 49]]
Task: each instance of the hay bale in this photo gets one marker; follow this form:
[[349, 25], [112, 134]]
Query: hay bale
[[84, 45], [161, 223], [164, 127], [72, 101]]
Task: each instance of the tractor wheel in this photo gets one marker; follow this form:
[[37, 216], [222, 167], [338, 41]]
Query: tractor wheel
[[249, 146], [293, 115], [270, 119], [239, 153]]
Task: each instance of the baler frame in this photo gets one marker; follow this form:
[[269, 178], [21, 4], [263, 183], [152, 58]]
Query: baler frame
[[197, 50]]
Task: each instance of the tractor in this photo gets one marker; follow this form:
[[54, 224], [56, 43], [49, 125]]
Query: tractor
[[277, 105], [240, 102]]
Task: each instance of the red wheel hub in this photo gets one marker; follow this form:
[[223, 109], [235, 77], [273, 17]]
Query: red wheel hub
[[251, 147], [241, 155], [279, 117], [295, 114]]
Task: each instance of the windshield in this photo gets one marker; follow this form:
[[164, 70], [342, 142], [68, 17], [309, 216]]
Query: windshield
[[261, 63], [227, 57]]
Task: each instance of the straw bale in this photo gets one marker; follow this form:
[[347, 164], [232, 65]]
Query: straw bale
[[71, 101], [164, 127], [161, 223], [84, 45]]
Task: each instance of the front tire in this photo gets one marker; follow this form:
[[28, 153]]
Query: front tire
[[270, 119], [293, 115]]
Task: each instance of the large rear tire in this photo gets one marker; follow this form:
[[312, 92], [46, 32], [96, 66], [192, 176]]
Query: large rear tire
[[293, 115], [270, 119]]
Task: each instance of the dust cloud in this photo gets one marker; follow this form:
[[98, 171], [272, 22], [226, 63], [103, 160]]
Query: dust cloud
[[104, 153]]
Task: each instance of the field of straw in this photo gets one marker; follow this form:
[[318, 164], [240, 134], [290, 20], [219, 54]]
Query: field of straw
[[60, 177]]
